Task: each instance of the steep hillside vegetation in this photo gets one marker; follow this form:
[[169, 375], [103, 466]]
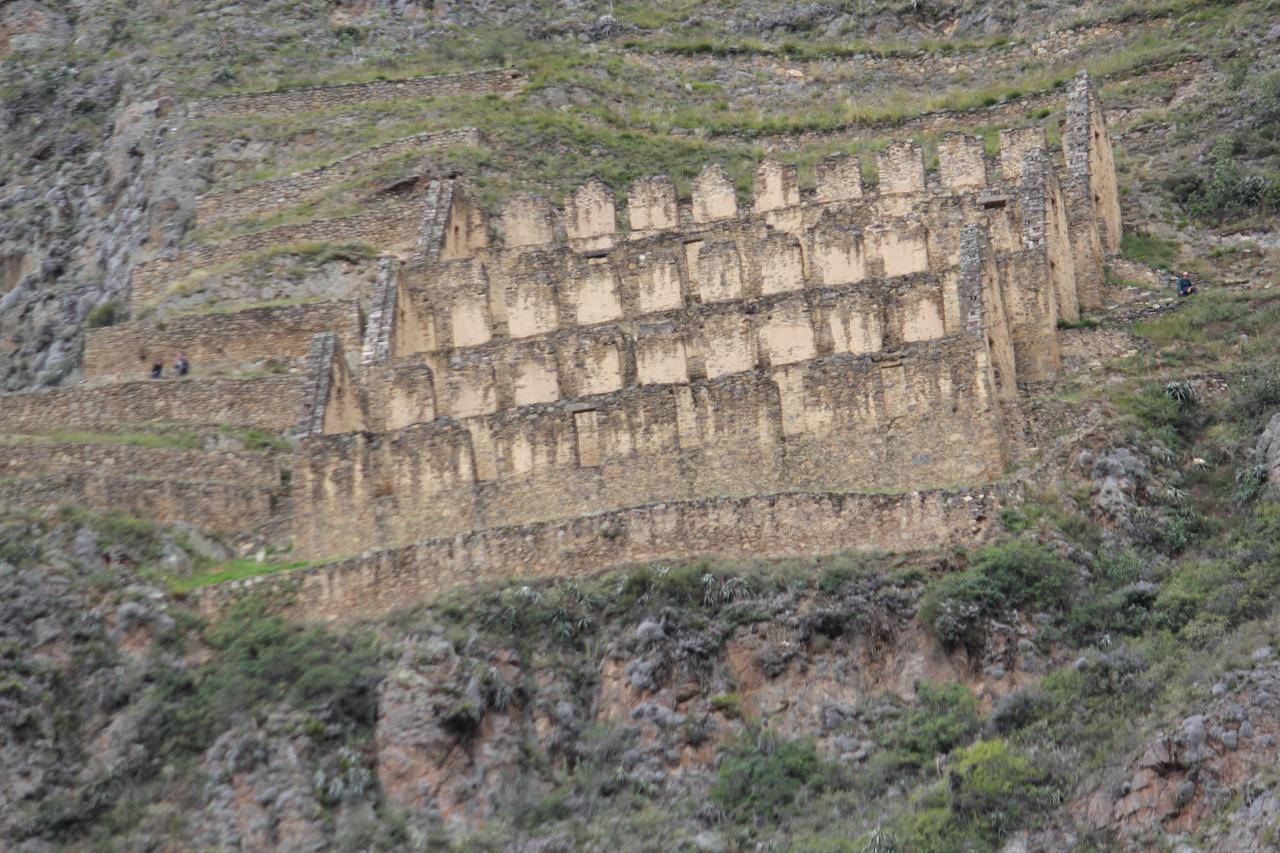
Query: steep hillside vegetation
[[1101, 674]]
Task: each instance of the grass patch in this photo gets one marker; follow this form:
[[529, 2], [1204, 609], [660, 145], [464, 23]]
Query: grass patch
[[256, 440], [156, 440], [234, 570], [1148, 249], [1217, 326]]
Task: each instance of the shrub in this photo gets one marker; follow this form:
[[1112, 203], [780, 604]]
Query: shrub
[[1229, 192], [1027, 574], [1251, 484], [1014, 574], [103, 315], [1256, 394], [956, 609], [1015, 711], [944, 717], [762, 778], [260, 660], [728, 704], [990, 790]]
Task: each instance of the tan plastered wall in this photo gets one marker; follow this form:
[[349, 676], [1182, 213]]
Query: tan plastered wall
[[1102, 180], [535, 290], [1062, 262], [714, 195], [962, 162], [710, 340]]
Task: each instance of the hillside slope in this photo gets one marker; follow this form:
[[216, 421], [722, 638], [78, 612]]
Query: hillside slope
[[1102, 673]]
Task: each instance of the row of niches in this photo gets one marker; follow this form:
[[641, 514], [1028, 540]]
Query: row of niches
[[471, 302], [692, 343]]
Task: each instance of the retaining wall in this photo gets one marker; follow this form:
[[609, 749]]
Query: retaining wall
[[221, 508], [496, 81], [388, 226], [767, 526], [268, 196], [272, 403], [219, 340], [31, 459]]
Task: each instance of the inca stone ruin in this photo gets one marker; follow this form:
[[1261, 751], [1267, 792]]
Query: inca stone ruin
[[538, 390]]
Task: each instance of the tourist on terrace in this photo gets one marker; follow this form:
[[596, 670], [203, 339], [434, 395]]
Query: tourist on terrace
[[157, 369], [1186, 286], [182, 366]]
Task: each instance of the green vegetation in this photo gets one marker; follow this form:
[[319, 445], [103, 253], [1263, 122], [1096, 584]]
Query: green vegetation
[[944, 717], [176, 440], [989, 791], [763, 778], [1019, 573], [1148, 249], [233, 570], [1216, 329], [1230, 191], [103, 315], [259, 661]]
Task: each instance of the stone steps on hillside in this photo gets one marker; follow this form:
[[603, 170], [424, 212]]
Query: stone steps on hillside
[[387, 226], [314, 98]]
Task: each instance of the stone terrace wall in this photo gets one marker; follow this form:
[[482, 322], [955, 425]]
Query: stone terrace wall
[[272, 402], [217, 507], [768, 526], [268, 196], [921, 66], [31, 459], [496, 81], [222, 339], [219, 340], [387, 226], [927, 415]]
